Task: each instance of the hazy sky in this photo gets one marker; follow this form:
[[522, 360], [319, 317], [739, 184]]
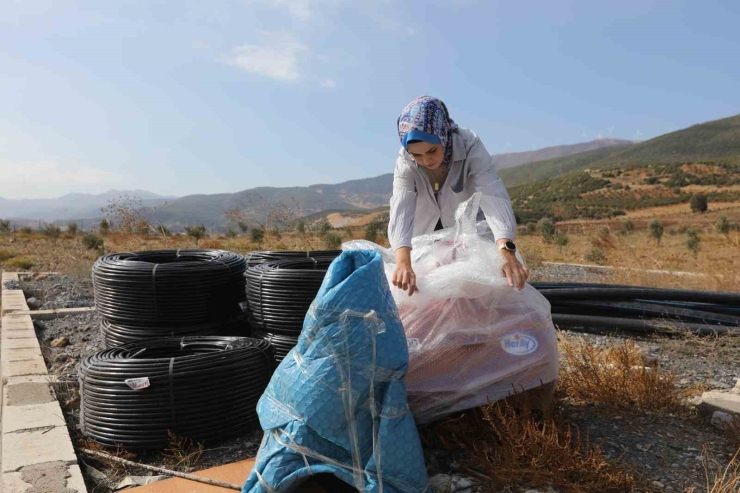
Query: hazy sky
[[188, 96]]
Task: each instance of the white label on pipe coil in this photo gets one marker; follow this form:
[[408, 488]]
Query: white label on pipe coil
[[137, 383]]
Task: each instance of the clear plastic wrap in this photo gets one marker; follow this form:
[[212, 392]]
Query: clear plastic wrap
[[472, 338], [337, 403]]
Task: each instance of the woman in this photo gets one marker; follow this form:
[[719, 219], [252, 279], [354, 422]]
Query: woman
[[439, 166]]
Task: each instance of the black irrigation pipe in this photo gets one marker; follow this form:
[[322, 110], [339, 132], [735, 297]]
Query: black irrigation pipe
[[280, 344], [169, 287], [639, 309], [280, 293], [204, 388], [119, 334], [257, 258]]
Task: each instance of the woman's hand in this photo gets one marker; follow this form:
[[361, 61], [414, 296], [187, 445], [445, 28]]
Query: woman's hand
[[403, 276], [516, 273]]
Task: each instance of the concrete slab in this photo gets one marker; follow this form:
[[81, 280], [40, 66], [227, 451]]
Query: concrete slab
[[36, 447], [17, 321], [13, 300], [20, 354], [13, 483], [27, 393], [29, 367], [17, 418], [30, 379], [48, 477], [75, 481], [9, 276], [20, 343], [716, 400]]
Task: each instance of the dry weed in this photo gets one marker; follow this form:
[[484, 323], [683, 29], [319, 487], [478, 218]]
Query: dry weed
[[115, 471], [6, 255], [515, 448], [721, 478], [182, 454], [617, 377]]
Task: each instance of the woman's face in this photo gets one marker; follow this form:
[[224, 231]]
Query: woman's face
[[425, 154]]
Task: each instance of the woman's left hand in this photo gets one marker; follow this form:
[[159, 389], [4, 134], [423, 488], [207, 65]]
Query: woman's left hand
[[516, 273]]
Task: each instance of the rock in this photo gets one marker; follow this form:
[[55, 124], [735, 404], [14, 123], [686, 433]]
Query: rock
[[736, 388], [721, 420], [85, 328], [445, 483], [60, 342], [34, 304], [61, 358], [719, 385], [658, 484], [716, 400]]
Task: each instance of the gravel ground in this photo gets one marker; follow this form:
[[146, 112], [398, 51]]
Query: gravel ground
[[666, 449]]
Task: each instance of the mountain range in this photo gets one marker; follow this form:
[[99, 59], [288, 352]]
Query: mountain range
[[717, 140]]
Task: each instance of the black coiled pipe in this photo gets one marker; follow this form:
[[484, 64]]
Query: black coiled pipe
[[169, 287], [119, 334], [281, 344], [204, 388], [280, 293], [257, 258]]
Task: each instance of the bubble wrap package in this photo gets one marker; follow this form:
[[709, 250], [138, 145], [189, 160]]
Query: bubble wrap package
[[472, 338], [337, 403]]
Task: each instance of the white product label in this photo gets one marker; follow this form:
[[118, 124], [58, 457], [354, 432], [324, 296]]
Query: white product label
[[413, 345], [137, 383], [519, 344]]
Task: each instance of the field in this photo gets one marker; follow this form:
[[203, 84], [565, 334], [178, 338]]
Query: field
[[606, 433]]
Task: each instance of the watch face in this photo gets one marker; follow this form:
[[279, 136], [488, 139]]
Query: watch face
[[510, 245]]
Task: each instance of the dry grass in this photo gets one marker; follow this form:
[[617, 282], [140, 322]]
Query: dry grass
[[616, 377], [7, 255], [508, 447], [182, 454], [721, 478], [23, 263]]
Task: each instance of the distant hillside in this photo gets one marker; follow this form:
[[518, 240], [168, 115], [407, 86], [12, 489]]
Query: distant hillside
[[72, 205], [512, 159], [714, 141]]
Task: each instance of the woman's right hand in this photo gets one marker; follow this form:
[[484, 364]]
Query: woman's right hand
[[403, 276]]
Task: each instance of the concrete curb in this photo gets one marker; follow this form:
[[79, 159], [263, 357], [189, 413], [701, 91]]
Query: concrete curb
[[35, 447]]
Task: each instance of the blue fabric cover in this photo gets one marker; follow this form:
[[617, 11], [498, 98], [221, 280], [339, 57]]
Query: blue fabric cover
[[317, 411]]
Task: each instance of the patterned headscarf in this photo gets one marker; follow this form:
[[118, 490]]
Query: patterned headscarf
[[426, 118]]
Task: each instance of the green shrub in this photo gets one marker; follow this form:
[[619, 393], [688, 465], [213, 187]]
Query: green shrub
[[333, 241], [72, 228], [699, 203], [628, 227], [531, 228], [546, 228], [196, 232], [6, 255], [652, 180], [723, 226], [104, 226], [26, 230], [656, 230], [596, 255], [4, 225], [21, 262], [692, 242], [231, 234], [257, 235], [561, 240], [50, 231], [93, 241]]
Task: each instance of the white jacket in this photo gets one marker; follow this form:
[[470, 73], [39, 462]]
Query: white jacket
[[414, 210]]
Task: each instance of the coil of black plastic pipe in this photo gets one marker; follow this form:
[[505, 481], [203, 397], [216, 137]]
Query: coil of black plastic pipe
[[115, 334], [585, 306], [281, 344], [257, 258], [204, 388], [280, 293], [167, 287]]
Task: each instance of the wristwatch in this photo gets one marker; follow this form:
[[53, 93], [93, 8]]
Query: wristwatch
[[508, 245]]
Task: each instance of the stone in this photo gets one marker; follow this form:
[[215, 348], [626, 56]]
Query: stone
[[722, 420], [658, 484], [61, 358], [60, 342], [715, 400], [736, 388], [41, 277], [34, 304]]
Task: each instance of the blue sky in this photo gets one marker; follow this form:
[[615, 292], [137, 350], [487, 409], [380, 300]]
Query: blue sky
[[187, 96]]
